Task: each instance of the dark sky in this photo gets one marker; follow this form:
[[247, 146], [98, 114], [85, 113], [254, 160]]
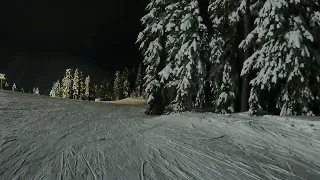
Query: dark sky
[[39, 39]]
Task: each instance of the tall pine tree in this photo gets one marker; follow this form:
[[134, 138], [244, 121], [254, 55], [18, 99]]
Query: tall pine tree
[[185, 69], [285, 62], [152, 44], [224, 54]]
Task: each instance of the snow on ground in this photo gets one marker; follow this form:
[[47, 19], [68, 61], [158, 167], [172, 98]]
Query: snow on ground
[[50, 138], [129, 100]]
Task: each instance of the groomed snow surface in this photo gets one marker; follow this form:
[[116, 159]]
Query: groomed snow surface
[[51, 138]]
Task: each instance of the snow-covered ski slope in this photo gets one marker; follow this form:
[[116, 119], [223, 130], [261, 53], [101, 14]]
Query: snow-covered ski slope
[[49, 138]]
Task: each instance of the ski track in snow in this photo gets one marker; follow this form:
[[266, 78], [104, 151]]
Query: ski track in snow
[[49, 138]]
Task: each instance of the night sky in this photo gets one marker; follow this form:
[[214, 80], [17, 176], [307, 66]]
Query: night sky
[[40, 39]]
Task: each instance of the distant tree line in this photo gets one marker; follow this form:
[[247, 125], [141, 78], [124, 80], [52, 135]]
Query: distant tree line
[[72, 86], [126, 83]]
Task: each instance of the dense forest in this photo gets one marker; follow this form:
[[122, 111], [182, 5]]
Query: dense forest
[[261, 56]]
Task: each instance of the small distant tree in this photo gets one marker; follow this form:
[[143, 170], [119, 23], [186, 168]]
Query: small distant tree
[[118, 86], [76, 85], [36, 91], [110, 93], [67, 85], [106, 90], [59, 89], [56, 90], [91, 93], [139, 82], [2, 78], [87, 87], [102, 90], [94, 92], [126, 83], [14, 87], [81, 86], [53, 89], [6, 86]]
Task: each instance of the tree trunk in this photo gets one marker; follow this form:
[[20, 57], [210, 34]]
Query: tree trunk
[[245, 78], [158, 104], [245, 94], [140, 89]]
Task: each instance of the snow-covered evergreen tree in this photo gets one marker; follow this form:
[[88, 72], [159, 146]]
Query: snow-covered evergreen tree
[[56, 90], [95, 91], [36, 91], [102, 90], [59, 89], [139, 82], [92, 95], [118, 86], [76, 85], [14, 87], [2, 79], [52, 92], [87, 85], [82, 87], [152, 45], [225, 16], [109, 91], [126, 84], [205, 55], [106, 90], [6, 85], [185, 70], [285, 60], [67, 85]]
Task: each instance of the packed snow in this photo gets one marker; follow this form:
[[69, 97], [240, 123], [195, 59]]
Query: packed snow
[[52, 138], [130, 100]]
